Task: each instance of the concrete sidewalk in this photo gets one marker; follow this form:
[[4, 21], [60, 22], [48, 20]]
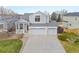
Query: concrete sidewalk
[[42, 44]]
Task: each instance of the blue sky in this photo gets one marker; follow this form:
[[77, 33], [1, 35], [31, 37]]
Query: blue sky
[[30, 9]]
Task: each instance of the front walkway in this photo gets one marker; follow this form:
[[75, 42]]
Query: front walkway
[[42, 43]]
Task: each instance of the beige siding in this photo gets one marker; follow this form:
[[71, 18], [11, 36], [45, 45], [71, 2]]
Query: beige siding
[[71, 21], [43, 18]]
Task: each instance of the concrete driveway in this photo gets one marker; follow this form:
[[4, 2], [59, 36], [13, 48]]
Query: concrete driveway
[[42, 44]]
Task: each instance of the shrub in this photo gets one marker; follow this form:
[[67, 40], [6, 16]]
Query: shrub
[[70, 37], [62, 37], [60, 30], [77, 39]]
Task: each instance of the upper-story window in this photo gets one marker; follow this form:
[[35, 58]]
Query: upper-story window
[[37, 18]]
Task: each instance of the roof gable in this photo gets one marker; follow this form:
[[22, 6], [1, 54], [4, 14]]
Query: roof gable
[[39, 12]]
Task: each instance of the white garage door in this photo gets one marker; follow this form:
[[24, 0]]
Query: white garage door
[[37, 31], [52, 31]]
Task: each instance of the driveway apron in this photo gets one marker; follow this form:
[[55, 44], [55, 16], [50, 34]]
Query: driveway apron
[[43, 44]]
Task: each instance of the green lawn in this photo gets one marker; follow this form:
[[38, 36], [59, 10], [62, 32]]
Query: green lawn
[[67, 39], [70, 48], [10, 46]]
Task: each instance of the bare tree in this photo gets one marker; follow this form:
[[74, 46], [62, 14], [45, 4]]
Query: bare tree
[[5, 11]]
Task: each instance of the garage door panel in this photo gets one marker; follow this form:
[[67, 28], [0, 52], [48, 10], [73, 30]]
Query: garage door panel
[[52, 31], [37, 31]]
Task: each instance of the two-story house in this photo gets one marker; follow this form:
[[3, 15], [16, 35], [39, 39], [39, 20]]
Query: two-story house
[[36, 24]]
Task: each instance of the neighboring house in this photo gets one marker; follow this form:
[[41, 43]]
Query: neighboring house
[[8, 22], [37, 24], [3, 25], [71, 20]]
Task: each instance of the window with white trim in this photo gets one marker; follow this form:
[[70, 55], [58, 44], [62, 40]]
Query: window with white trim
[[37, 18]]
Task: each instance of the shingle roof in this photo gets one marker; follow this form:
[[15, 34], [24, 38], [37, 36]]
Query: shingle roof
[[41, 12], [28, 14], [21, 20], [72, 14], [51, 24]]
